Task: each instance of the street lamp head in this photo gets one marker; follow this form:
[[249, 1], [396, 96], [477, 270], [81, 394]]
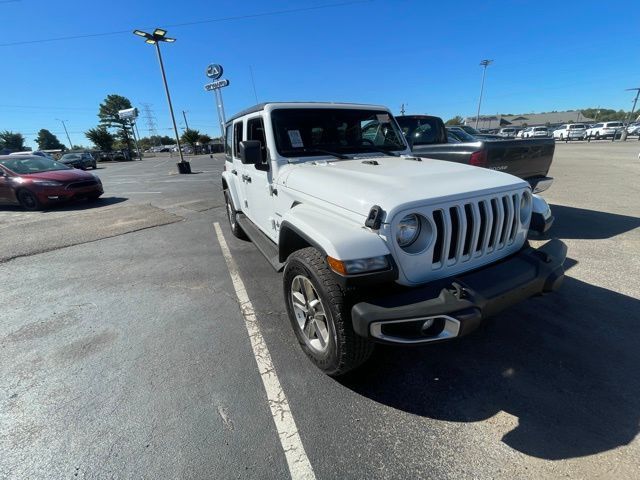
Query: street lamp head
[[159, 32], [168, 39], [140, 33], [485, 63], [150, 41]]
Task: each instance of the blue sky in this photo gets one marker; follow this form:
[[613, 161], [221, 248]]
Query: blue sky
[[548, 56]]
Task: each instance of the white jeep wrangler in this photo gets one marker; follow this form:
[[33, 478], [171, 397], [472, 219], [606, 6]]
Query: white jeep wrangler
[[377, 245]]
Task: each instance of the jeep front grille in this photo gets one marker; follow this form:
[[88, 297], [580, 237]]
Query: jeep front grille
[[473, 229], [459, 236]]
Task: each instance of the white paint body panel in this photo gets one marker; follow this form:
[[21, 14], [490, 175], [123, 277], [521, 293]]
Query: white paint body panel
[[329, 199]]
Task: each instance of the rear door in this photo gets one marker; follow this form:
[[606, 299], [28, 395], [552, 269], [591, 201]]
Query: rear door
[[237, 132]]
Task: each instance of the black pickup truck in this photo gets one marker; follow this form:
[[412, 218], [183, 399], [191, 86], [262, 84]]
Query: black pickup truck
[[528, 159]]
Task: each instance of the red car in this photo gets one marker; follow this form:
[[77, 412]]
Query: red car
[[35, 182]]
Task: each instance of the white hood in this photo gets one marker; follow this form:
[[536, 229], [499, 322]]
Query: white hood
[[393, 183]]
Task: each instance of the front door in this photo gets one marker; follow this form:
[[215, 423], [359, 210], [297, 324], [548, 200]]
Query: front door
[[6, 192], [258, 180]]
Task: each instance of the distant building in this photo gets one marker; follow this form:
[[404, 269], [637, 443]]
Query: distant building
[[528, 119]]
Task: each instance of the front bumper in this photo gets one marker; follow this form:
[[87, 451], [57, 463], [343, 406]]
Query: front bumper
[[456, 306], [56, 195]]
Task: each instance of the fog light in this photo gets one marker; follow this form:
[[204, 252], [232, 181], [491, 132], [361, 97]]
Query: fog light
[[427, 325], [53, 198]]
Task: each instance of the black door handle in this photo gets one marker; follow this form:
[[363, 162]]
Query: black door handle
[[235, 172], [246, 178]]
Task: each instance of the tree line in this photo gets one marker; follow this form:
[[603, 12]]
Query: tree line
[[111, 133]]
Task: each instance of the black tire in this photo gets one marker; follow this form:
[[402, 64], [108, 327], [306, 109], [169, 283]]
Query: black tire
[[28, 200], [236, 229], [93, 197], [94, 166], [597, 136], [345, 350]]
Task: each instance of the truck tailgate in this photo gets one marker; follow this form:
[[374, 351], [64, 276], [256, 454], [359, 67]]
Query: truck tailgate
[[524, 158]]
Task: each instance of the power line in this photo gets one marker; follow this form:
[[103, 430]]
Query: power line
[[187, 24]]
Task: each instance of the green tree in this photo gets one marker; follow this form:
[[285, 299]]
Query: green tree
[[457, 120], [48, 141], [11, 141], [604, 114], [101, 138], [204, 139], [108, 114], [190, 137]]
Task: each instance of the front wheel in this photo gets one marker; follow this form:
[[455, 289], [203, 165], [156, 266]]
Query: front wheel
[[28, 200], [320, 315]]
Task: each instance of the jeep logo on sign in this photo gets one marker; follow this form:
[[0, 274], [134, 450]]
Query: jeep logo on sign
[[214, 71]]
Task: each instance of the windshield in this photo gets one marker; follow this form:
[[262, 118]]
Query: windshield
[[303, 132], [26, 165]]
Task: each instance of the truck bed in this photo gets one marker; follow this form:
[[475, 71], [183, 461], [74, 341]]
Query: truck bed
[[527, 159]]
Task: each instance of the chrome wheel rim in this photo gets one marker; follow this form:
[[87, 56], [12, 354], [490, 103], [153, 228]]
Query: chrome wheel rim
[[230, 213], [310, 314]]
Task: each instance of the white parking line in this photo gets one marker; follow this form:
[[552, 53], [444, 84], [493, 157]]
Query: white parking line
[[297, 460]]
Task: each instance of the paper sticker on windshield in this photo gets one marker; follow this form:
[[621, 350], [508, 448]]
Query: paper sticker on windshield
[[383, 117], [295, 138]]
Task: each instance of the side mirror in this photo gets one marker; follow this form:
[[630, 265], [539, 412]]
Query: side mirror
[[251, 152]]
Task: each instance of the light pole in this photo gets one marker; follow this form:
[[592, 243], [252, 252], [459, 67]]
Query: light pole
[[630, 117], [65, 131], [184, 115], [484, 63], [159, 35]]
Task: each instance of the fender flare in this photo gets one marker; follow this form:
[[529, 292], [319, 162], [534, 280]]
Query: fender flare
[[332, 234], [229, 183]]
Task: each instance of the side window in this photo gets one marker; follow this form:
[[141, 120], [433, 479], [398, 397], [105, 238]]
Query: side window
[[237, 138], [255, 131], [227, 141]]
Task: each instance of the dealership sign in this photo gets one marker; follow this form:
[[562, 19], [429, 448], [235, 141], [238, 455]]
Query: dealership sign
[[216, 85], [214, 71]]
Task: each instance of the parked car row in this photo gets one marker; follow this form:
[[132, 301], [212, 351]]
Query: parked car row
[[569, 131]]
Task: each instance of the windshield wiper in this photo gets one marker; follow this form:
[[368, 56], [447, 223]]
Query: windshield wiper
[[328, 152], [373, 148]]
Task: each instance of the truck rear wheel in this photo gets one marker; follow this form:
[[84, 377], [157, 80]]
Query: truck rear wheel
[[320, 315], [231, 215]]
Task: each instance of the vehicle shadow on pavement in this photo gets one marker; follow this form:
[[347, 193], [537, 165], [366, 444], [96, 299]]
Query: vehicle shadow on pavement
[[580, 223], [86, 205], [565, 365]]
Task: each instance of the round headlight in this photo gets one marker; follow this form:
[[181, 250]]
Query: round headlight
[[408, 230], [526, 207]]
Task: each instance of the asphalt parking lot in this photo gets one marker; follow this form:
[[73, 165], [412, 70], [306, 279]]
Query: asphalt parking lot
[[124, 352]]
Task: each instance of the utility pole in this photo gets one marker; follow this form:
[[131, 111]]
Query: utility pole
[[184, 115], [484, 64], [635, 101], [67, 133]]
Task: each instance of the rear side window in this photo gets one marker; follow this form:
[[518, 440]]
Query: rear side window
[[237, 138], [228, 141], [422, 131]]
